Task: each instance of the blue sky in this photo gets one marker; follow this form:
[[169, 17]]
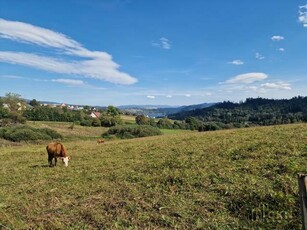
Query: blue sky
[[120, 52]]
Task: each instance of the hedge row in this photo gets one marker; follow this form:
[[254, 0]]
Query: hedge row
[[26, 133], [132, 131]]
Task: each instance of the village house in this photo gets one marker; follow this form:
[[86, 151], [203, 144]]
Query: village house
[[95, 114]]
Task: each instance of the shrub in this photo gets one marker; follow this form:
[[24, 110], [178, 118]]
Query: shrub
[[2, 131], [96, 122], [17, 118], [50, 132], [86, 123], [165, 123], [132, 131], [109, 121], [209, 126], [26, 133]]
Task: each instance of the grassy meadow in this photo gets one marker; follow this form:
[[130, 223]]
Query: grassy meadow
[[230, 179]]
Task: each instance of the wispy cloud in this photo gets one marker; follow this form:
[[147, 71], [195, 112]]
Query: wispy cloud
[[236, 62], [259, 56], [96, 64], [278, 85], [188, 95], [11, 76], [151, 97], [71, 82], [277, 38], [303, 15], [163, 43], [247, 78], [281, 49], [169, 96]]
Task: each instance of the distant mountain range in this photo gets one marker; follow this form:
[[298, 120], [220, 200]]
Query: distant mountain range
[[161, 110], [149, 110]]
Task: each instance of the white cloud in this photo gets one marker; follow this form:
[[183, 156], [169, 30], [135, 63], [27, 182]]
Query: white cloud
[[151, 97], [11, 77], [96, 64], [163, 43], [155, 44], [254, 88], [278, 85], [247, 78], [71, 82], [303, 15], [206, 94], [277, 38], [188, 95], [259, 56], [236, 62], [281, 49], [169, 96]]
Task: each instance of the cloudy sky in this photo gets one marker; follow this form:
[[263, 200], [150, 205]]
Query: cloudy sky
[[120, 52]]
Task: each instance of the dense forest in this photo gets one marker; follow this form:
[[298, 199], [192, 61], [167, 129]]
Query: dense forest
[[254, 111]]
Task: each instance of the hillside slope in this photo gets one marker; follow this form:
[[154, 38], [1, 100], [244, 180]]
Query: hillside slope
[[229, 179], [254, 111]]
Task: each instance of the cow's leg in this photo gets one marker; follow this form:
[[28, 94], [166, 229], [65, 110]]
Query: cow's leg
[[50, 160], [55, 160]]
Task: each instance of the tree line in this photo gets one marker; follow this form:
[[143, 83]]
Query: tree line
[[252, 112]]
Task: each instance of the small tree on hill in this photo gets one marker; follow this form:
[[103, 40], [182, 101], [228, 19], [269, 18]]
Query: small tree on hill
[[14, 102], [110, 117], [34, 103], [12, 108], [141, 120], [165, 123], [112, 111]]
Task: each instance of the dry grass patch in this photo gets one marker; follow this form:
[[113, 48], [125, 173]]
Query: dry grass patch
[[64, 128]]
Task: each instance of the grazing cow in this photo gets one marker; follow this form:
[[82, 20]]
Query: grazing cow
[[100, 141], [55, 150]]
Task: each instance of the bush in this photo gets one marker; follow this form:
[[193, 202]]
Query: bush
[[86, 123], [50, 132], [17, 118], [96, 122], [209, 126], [2, 131], [26, 133], [132, 131], [165, 123], [109, 121]]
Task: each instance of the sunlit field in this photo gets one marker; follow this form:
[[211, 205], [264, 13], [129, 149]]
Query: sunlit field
[[231, 179]]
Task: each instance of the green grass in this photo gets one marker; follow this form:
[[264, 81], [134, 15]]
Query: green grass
[[78, 132], [128, 119], [232, 179], [174, 131]]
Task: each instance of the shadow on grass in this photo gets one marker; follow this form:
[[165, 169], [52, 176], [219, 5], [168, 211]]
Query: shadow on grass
[[39, 166]]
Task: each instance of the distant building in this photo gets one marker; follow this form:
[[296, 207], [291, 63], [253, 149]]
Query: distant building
[[95, 114]]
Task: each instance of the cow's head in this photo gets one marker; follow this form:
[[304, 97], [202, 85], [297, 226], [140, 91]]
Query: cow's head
[[65, 160]]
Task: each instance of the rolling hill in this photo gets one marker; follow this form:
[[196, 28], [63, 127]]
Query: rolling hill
[[254, 111], [231, 179]]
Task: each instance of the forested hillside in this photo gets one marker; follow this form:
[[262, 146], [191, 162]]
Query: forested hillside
[[254, 111]]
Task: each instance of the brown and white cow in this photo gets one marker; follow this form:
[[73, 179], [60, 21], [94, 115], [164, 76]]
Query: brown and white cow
[[100, 141], [55, 150]]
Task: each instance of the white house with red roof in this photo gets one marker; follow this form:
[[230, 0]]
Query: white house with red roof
[[95, 114]]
